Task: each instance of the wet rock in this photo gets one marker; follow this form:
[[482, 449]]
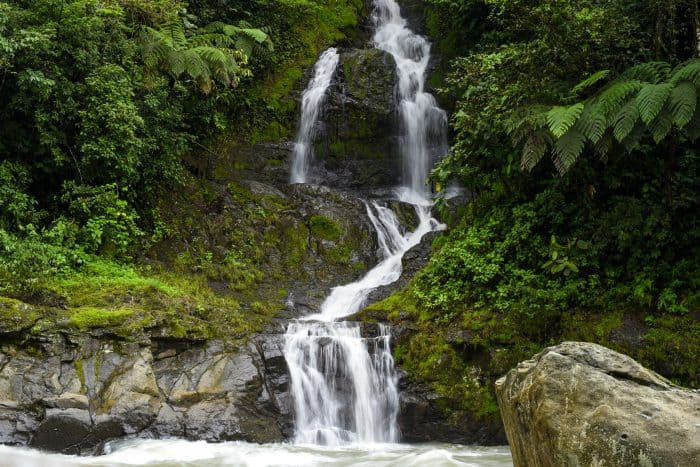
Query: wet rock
[[579, 404], [75, 396], [422, 418], [357, 144]]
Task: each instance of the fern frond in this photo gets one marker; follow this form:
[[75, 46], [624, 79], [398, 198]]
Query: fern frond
[[634, 138], [687, 71], [651, 99], [593, 122], [603, 147], [195, 67], [173, 33], [692, 129], [625, 120], [567, 149], [662, 126], [649, 72], [561, 119], [613, 97], [534, 149], [590, 81], [682, 102]]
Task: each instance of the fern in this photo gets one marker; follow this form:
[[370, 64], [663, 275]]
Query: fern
[[590, 81], [593, 122], [683, 101], [534, 149], [625, 120], [561, 119], [649, 72], [662, 127], [651, 99], [218, 52], [688, 71], [567, 149], [612, 98]]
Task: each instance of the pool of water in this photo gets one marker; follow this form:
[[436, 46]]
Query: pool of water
[[172, 453]]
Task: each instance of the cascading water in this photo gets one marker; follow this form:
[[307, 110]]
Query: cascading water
[[344, 385], [311, 102], [424, 123]]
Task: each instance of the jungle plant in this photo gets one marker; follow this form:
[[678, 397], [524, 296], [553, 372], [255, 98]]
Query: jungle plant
[[647, 99]]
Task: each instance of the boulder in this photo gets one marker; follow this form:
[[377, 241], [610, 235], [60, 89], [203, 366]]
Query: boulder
[[581, 404]]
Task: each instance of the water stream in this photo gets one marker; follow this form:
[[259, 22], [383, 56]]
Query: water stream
[[311, 104], [344, 385]]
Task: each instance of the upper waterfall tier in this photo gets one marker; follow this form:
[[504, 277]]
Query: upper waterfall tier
[[424, 124]]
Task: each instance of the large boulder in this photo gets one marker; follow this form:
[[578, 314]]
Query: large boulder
[[581, 404]]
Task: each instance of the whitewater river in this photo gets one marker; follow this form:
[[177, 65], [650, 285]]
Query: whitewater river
[[194, 454]]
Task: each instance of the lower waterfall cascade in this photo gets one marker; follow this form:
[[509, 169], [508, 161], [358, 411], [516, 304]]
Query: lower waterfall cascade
[[343, 385]]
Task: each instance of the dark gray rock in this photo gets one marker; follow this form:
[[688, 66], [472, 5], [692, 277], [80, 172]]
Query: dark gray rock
[[579, 403], [76, 396], [422, 418], [358, 137]]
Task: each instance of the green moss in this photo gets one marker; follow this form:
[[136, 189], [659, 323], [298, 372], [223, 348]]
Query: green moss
[[325, 228], [297, 239], [81, 375], [16, 315], [89, 317], [339, 254]]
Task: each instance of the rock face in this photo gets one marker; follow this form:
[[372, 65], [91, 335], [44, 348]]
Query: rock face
[[70, 396], [581, 404], [358, 145]]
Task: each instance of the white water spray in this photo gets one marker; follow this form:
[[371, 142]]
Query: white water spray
[[343, 385], [311, 104]]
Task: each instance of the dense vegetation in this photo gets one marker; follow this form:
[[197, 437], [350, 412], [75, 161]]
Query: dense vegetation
[[107, 109], [575, 131]]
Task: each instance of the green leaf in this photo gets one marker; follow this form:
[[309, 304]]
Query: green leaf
[[651, 99], [683, 101], [567, 149], [590, 81], [561, 119], [625, 120]]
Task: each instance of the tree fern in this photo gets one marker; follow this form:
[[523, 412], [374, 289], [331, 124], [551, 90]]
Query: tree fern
[[649, 72], [613, 97], [561, 119], [590, 81], [687, 71], [662, 127], [624, 121], [651, 99], [218, 52], [567, 149], [647, 100], [534, 149], [683, 101], [593, 122]]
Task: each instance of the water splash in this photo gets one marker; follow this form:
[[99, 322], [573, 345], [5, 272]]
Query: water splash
[[311, 104]]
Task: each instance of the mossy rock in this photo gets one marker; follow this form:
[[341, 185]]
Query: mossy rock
[[16, 316], [325, 228]]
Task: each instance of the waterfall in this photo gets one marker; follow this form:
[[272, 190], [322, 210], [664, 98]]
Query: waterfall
[[343, 385], [423, 122], [311, 103]]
